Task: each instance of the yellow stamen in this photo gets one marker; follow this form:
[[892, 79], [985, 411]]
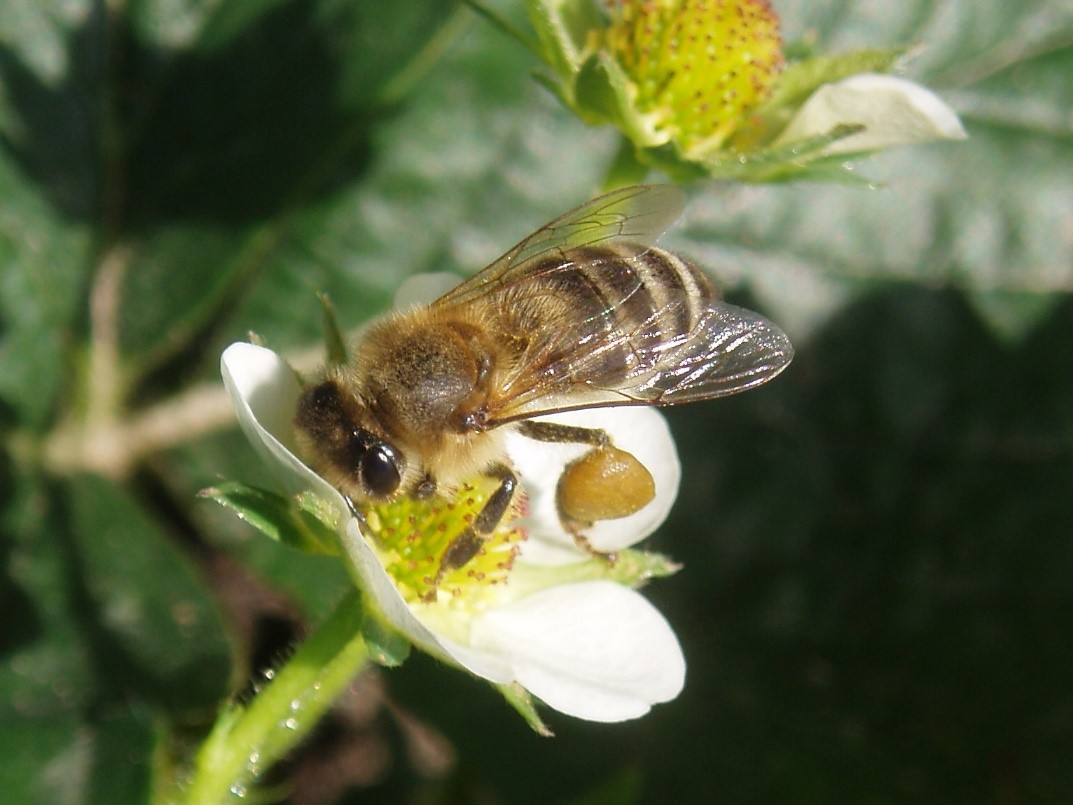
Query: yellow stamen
[[412, 536]]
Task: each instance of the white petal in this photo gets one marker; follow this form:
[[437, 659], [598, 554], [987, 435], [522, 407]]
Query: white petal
[[638, 430], [264, 391], [379, 588], [594, 650], [893, 111]]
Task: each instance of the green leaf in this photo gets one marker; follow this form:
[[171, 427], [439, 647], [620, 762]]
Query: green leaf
[[1011, 314], [46, 673], [878, 539], [104, 759], [313, 581], [622, 788], [248, 126], [123, 744], [152, 622], [435, 198], [75, 711], [43, 265], [201, 23], [45, 760], [293, 523]]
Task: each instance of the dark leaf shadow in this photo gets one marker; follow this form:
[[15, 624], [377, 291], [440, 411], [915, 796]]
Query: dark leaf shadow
[[135, 135]]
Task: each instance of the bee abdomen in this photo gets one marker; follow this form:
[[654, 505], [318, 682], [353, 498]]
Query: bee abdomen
[[634, 301]]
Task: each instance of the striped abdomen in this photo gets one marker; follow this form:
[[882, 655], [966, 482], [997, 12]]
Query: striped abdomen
[[601, 315]]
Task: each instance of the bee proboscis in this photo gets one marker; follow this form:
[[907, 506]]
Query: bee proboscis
[[585, 312]]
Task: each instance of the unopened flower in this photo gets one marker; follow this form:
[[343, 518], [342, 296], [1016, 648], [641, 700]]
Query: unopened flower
[[531, 609], [704, 88]]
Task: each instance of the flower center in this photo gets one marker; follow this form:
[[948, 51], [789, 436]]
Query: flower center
[[697, 65], [412, 536]]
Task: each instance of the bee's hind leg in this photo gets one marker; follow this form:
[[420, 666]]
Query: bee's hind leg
[[563, 434], [604, 483], [466, 545]]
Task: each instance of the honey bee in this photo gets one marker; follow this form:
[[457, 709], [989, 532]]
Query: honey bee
[[586, 312]]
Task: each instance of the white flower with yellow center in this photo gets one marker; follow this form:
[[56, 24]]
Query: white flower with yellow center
[[531, 608]]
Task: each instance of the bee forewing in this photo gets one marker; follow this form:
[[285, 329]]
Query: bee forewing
[[638, 214], [730, 350]]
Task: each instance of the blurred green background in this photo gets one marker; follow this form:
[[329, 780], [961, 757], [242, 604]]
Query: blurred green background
[[877, 600]]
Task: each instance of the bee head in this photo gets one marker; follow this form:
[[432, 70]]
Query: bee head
[[349, 453]]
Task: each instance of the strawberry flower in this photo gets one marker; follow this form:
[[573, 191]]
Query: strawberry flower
[[532, 612], [704, 88]]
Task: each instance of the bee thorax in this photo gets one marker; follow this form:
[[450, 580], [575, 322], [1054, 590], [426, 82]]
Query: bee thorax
[[426, 382]]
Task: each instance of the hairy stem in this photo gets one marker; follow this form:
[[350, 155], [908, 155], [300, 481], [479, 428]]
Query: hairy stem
[[103, 375], [247, 741]]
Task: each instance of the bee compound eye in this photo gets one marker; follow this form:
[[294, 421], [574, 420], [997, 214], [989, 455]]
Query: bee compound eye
[[380, 469]]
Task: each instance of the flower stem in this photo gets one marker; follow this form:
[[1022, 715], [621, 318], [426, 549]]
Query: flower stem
[[247, 740], [625, 169]]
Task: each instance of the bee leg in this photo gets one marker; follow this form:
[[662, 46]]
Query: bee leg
[[426, 487], [466, 545], [563, 434], [605, 483]]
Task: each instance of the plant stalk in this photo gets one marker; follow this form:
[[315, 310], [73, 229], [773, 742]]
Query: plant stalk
[[247, 740]]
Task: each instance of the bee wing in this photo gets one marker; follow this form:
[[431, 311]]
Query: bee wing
[[730, 349], [639, 214]]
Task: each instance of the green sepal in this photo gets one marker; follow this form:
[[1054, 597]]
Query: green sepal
[[519, 698], [562, 90], [304, 522], [629, 567], [636, 568], [505, 26], [593, 85], [603, 93], [799, 79], [387, 646], [562, 28], [334, 340], [802, 160]]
